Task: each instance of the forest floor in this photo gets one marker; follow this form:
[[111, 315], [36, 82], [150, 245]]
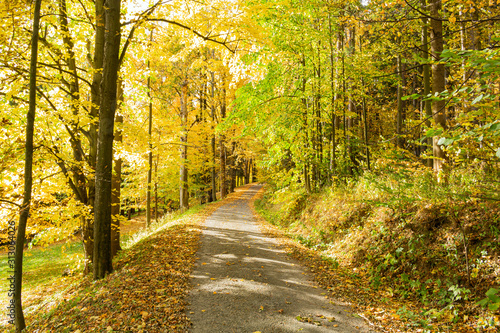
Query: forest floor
[[49, 270], [146, 291]]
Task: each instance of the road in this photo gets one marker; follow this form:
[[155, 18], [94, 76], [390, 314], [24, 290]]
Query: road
[[244, 282]]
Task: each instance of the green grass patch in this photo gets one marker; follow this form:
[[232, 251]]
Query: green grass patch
[[42, 270]]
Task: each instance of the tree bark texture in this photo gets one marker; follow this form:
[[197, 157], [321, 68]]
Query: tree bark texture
[[28, 175], [183, 173], [102, 209], [116, 181], [438, 79]]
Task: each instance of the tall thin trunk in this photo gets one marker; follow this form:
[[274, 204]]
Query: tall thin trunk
[[117, 180], [319, 123], [399, 117], [212, 108], [365, 116], [365, 129], [344, 92], [102, 208], [222, 151], [438, 79], [306, 175], [233, 167], [95, 91], [183, 174], [156, 186], [333, 91], [28, 175], [150, 145], [248, 170], [351, 120], [427, 76]]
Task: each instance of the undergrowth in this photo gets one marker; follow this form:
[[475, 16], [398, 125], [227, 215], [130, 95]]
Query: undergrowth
[[435, 244]]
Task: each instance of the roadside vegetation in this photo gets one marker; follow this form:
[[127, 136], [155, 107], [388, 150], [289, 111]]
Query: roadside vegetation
[[425, 253], [54, 276], [152, 270]]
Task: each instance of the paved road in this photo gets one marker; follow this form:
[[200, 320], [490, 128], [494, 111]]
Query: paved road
[[243, 282]]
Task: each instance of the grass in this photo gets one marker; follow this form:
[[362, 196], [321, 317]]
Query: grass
[[44, 287], [129, 240], [143, 277], [42, 273], [405, 232]]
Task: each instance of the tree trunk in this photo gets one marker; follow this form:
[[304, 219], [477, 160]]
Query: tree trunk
[[102, 208], [150, 144], [438, 80], [399, 117], [95, 91], [248, 166], [222, 152], [183, 174], [117, 181], [365, 128], [28, 175], [319, 123], [156, 187], [305, 122], [351, 120], [212, 108], [333, 91], [427, 77], [233, 167]]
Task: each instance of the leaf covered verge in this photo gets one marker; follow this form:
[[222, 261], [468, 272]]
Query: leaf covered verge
[[146, 291], [401, 264]]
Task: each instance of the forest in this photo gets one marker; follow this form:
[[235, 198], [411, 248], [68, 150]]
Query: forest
[[374, 125]]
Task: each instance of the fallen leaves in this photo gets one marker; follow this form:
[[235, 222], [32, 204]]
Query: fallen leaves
[[146, 292]]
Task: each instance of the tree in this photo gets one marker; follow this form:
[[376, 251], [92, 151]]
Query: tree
[[28, 172], [438, 80], [102, 208]]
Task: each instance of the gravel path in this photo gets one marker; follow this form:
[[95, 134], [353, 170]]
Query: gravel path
[[243, 282]]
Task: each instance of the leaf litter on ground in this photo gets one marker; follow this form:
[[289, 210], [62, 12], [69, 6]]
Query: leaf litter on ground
[[351, 286], [145, 293]]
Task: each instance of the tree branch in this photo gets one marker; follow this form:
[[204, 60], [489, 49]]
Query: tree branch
[[207, 38], [10, 202]]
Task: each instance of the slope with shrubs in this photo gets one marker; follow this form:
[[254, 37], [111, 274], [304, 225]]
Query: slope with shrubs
[[430, 247]]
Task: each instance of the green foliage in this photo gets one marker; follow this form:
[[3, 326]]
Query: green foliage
[[492, 301], [404, 228]]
